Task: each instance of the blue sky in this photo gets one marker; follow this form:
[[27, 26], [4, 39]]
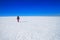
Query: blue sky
[[30, 7]]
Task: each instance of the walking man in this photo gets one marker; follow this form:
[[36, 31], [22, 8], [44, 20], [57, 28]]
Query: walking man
[[18, 18]]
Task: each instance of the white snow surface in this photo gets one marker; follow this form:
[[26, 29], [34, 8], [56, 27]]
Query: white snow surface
[[30, 28]]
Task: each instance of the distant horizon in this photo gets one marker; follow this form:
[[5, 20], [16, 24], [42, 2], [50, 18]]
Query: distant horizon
[[30, 16]]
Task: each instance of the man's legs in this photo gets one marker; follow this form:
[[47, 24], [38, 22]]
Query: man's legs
[[17, 20]]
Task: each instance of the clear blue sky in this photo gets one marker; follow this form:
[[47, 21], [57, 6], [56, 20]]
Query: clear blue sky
[[29, 7]]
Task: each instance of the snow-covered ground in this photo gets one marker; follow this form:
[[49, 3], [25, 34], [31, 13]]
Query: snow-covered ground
[[30, 28]]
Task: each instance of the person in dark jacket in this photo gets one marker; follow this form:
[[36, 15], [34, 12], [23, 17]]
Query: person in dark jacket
[[18, 18]]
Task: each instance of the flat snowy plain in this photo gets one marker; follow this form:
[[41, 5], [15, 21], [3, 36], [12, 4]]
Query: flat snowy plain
[[30, 28]]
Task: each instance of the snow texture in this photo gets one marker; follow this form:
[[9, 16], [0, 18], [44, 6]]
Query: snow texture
[[30, 28]]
